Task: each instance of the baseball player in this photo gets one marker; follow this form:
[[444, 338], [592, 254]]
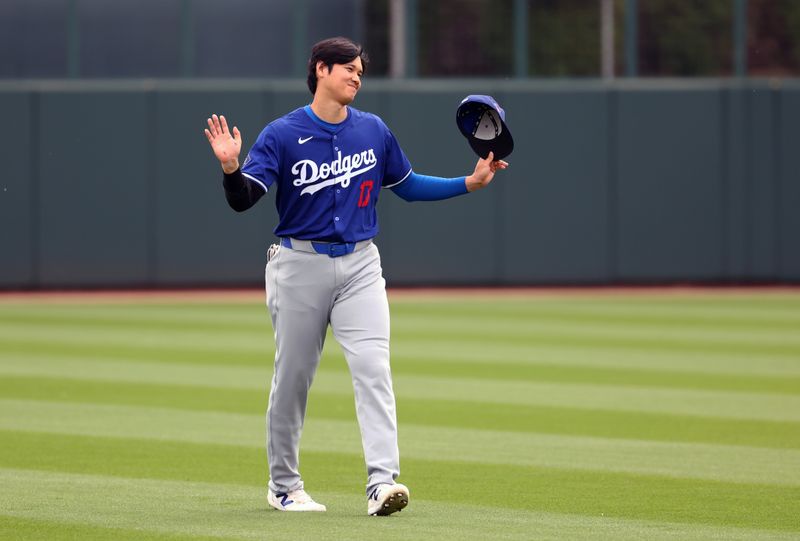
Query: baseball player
[[326, 164]]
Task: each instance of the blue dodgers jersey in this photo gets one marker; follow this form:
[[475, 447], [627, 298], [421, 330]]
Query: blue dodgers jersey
[[326, 177]]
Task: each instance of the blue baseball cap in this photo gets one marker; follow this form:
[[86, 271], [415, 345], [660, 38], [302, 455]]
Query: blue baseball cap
[[483, 122]]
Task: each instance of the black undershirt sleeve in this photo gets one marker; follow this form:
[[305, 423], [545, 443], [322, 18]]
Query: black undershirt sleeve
[[240, 193]]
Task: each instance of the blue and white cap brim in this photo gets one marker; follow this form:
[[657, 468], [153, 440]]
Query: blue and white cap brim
[[482, 121]]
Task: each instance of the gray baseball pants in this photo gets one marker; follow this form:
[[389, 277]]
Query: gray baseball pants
[[306, 292]]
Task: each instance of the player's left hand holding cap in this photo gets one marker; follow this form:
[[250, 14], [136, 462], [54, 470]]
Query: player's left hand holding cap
[[483, 122]]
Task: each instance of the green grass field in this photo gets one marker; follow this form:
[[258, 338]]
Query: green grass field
[[577, 415]]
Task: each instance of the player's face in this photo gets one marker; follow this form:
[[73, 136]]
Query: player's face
[[342, 81]]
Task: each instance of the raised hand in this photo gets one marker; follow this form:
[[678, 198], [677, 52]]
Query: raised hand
[[484, 172], [226, 147]]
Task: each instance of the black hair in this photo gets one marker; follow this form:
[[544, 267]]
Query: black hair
[[332, 51]]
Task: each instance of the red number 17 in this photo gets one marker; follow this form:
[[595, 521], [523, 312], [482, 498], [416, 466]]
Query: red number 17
[[366, 190]]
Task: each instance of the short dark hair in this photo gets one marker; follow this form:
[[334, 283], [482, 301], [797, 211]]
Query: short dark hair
[[332, 51]]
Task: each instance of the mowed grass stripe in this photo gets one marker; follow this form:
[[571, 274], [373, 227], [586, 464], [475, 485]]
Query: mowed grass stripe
[[768, 302], [685, 460], [720, 310], [599, 327], [467, 414], [232, 344], [610, 309], [621, 340], [197, 339], [441, 484], [780, 343], [440, 352], [672, 379], [237, 349], [704, 403], [117, 505], [202, 312], [498, 370], [557, 528], [565, 354], [14, 527], [451, 322], [251, 354]]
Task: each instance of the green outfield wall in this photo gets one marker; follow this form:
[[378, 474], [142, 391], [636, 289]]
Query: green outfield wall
[[112, 184]]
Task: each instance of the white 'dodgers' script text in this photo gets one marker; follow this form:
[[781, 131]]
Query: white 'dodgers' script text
[[344, 169]]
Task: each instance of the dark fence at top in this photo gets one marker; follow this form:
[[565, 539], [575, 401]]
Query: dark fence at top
[[113, 184]]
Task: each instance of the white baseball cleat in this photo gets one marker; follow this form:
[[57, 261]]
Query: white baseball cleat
[[297, 500], [385, 499]]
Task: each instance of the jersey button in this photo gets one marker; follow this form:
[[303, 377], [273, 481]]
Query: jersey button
[[335, 148], [336, 218]]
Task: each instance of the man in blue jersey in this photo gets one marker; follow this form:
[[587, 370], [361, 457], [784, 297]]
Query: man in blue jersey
[[326, 164]]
